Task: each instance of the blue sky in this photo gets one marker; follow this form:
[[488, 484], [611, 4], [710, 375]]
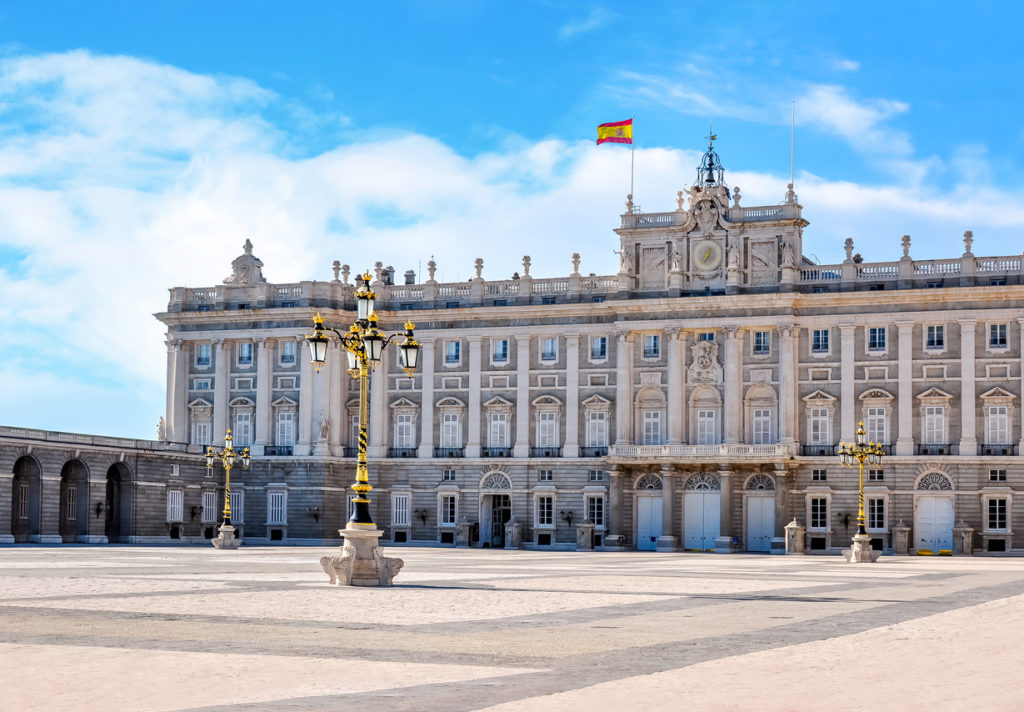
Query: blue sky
[[141, 143]]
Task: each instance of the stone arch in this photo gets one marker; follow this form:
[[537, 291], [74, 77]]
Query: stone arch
[[703, 481], [117, 503], [73, 517], [648, 481], [934, 480], [761, 396], [705, 398], [495, 480], [26, 499], [760, 482]]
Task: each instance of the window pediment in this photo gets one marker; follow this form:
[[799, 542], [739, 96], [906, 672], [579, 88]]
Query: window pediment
[[200, 404], [404, 404], [547, 402], [450, 403], [820, 399], [761, 394], [498, 403], [650, 397], [876, 394], [998, 395], [596, 402], [285, 403], [242, 403], [934, 396]]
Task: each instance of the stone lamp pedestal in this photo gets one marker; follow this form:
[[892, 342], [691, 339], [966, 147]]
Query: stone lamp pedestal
[[227, 538], [861, 552], [361, 562]]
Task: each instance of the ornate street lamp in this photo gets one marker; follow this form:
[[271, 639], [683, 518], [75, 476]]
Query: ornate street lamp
[[364, 346], [860, 452], [227, 457]]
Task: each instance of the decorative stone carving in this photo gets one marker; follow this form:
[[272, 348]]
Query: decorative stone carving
[[649, 482], [905, 242], [336, 268], [736, 197], [325, 426], [431, 269], [968, 242], [763, 267], [246, 269], [848, 246], [526, 265], [361, 562], [680, 200], [788, 259], [706, 215], [704, 367], [338, 568], [161, 430], [478, 265], [652, 265], [934, 481], [761, 482], [703, 481], [575, 262], [496, 480], [625, 263], [345, 271], [629, 202]]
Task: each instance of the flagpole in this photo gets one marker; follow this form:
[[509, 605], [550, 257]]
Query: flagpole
[[632, 154]]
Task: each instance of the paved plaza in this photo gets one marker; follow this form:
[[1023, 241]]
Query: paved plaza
[[144, 628]]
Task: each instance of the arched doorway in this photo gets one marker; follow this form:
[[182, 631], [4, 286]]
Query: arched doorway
[[117, 507], [759, 503], [495, 509], [74, 501], [933, 514], [26, 509], [649, 489], [702, 512]]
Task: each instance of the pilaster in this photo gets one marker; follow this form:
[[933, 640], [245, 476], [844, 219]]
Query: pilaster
[[733, 409], [426, 448], [176, 429], [676, 400], [571, 448], [336, 396], [623, 388], [378, 409], [473, 443], [968, 399], [220, 390], [304, 446], [522, 444], [847, 397], [905, 404], [787, 384], [264, 387]]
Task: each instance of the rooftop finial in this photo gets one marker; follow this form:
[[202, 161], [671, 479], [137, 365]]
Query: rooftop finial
[[710, 172]]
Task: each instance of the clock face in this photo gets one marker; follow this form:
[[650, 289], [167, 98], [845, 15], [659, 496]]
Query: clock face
[[707, 255]]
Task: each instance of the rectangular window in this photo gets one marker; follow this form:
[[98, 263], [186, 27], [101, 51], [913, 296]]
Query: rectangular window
[[596, 476], [821, 430], [497, 435], [285, 429], [997, 513], [499, 350], [599, 348], [202, 354], [451, 430], [876, 513], [287, 352], [400, 510], [201, 433], [762, 343], [23, 502], [547, 429], [876, 338], [819, 475], [201, 384], [175, 505], [934, 425], [545, 475], [277, 507], [997, 336], [403, 430], [237, 507], [998, 425], [71, 504], [706, 336], [706, 427], [819, 341], [447, 475], [245, 354], [448, 515], [819, 513], [549, 350], [243, 430], [209, 509], [595, 511], [597, 429], [452, 351], [762, 418], [652, 427], [876, 475], [545, 511], [877, 428], [935, 337], [652, 346], [997, 475]]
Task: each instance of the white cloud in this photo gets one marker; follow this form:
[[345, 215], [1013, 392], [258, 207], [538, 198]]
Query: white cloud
[[831, 109], [111, 214], [598, 17], [845, 65]]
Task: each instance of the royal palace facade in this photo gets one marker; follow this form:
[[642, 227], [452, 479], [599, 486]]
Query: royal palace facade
[[694, 400]]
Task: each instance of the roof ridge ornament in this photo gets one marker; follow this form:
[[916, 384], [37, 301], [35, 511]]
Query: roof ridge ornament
[[246, 268]]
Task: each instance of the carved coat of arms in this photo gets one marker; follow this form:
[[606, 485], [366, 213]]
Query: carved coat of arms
[[704, 367]]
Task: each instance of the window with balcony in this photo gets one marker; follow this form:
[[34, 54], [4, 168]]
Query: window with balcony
[[497, 433], [706, 427], [652, 427], [597, 429], [451, 430], [243, 429], [245, 354], [997, 425], [819, 341], [876, 425], [452, 352], [285, 429], [935, 337], [762, 430], [547, 429], [499, 351], [820, 431], [404, 432], [997, 336], [934, 426], [201, 432]]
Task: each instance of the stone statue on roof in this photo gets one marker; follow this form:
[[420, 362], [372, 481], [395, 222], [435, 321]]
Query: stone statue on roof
[[246, 269]]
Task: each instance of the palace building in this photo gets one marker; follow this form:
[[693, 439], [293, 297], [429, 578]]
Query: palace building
[[693, 401]]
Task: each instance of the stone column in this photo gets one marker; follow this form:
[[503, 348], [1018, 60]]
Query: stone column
[[379, 418], [723, 544], [522, 445], [667, 540], [904, 401], [733, 407], [847, 397], [220, 390], [623, 389], [781, 505], [676, 404], [264, 387], [336, 396], [176, 426], [968, 399], [788, 383], [427, 399], [572, 396], [304, 446], [613, 540], [473, 443], [49, 515]]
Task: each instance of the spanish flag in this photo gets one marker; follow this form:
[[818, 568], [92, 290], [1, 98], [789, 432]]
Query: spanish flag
[[615, 132]]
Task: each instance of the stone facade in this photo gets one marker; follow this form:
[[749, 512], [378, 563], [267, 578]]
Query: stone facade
[[694, 400]]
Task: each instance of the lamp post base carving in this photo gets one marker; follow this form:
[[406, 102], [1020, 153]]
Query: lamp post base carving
[[361, 562], [227, 538], [860, 552]]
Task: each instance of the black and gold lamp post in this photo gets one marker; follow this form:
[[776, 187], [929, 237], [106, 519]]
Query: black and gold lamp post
[[858, 453], [365, 346], [227, 457]]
